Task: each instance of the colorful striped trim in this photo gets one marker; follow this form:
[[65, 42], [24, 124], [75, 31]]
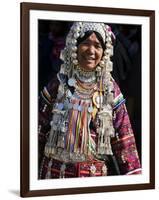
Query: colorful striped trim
[[45, 98], [45, 91], [130, 137], [118, 101], [86, 172]]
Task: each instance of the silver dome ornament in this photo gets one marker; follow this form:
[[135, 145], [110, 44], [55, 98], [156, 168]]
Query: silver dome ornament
[[75, 62], [74, 41], [109, 66], [74, 55], [76, 35], [102, 63], [74, 48], [108, 45], [105, 57]]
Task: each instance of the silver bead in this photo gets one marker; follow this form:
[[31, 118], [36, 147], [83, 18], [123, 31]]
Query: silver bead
[[107, 51], [109, 67], [82, 34], [102, 63], [75, 62], [74, 55], [105, 57], [98, 69], [108, 45], [76, 35], [74, 48], [71, 82], [74, 41]]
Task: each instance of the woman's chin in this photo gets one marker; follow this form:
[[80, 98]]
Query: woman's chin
[[88, 67]]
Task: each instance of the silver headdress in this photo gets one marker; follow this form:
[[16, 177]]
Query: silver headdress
[[78, 29]]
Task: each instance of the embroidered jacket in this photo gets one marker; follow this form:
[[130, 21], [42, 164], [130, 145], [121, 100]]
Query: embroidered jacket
[[124, 160]]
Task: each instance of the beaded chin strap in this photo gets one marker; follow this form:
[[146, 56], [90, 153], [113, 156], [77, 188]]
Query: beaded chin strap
[[65, 132]]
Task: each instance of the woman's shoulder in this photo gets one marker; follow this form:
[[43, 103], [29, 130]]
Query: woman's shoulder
[[50, 90]]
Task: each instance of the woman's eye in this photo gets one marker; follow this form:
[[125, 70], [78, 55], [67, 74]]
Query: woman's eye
[[85, 43], [98, 46]]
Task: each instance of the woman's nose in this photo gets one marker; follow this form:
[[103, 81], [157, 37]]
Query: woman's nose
[[91, 49]]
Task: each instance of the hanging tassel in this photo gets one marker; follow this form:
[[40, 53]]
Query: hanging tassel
[[85, 148], [72, 138], [91, 148], [105, 131], [74, 124], [78, 127], [82, 129], [68, 137]]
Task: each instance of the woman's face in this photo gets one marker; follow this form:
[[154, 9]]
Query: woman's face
[[89, 52]]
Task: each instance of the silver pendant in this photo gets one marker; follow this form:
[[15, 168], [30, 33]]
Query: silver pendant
[[71, 82], [80, 108], [90, 109]]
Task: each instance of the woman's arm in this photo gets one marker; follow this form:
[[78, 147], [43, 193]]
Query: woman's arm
[[123, 145]]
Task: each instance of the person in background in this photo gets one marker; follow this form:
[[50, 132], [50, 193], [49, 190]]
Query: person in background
[[52, 35]]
